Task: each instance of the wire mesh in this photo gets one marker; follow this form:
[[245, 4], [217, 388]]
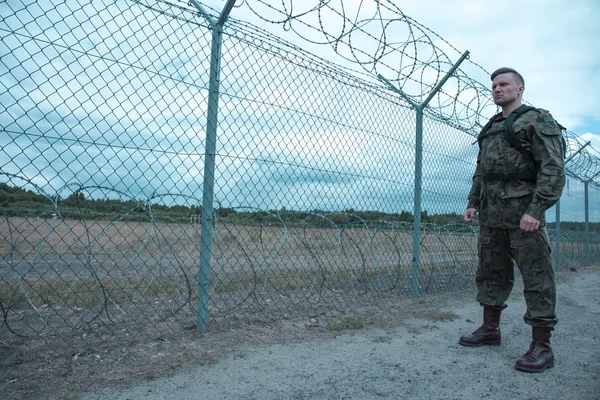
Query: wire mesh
[[103, 120]]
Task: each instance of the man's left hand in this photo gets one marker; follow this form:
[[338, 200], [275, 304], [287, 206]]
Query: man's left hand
[[529, 224]]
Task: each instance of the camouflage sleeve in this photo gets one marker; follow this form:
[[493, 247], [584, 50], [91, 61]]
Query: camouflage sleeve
[[475, 191], [547, 149]]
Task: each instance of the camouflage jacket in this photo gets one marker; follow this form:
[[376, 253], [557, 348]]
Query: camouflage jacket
[[502, 203]]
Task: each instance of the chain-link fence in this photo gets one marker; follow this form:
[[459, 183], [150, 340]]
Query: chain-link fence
[[161, 167], [576, 236]]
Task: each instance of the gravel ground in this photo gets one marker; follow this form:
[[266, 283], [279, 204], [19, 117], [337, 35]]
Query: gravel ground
[[411, 358]]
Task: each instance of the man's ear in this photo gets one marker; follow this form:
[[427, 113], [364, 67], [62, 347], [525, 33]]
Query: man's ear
[[521, 90]]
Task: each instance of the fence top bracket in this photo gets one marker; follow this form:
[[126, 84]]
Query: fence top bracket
[[222, 17]]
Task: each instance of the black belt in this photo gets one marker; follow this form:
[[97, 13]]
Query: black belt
[[529, 176]]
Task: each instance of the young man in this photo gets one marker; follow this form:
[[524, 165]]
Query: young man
[[512, 188]]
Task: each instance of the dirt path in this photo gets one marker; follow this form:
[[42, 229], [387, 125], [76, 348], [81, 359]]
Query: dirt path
[[411, 359]]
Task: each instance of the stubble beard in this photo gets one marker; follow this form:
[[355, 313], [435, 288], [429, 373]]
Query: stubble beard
[[504, 101]]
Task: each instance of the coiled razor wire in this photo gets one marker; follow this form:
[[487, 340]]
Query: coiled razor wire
[[277, 265], [137, 270]]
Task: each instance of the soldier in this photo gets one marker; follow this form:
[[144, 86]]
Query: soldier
[[514, 183]]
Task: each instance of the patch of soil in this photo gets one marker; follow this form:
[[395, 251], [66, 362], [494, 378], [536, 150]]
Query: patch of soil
[[59, 368]]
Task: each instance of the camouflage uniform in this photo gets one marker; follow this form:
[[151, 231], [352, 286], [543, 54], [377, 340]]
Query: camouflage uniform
[[502, 203]]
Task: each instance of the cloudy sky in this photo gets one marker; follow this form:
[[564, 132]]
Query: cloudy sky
[[109, 94], [555, 44]]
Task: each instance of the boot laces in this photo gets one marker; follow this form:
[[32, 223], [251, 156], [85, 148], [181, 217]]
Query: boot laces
[[483, 330], [533, 347], [479, 330]]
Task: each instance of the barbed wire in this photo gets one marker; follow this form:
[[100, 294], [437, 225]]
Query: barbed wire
[[415, 64], [399, 61]]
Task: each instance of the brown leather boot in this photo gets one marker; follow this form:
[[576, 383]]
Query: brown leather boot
[[488, 333], [539, 356]]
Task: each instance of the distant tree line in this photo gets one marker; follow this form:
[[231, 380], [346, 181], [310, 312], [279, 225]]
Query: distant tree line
[[18, 202]]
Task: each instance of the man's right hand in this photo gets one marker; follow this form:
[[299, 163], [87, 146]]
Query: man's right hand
[[470, 215]]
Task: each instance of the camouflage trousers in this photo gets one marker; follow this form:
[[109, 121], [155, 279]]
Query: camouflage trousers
[[499, 249]]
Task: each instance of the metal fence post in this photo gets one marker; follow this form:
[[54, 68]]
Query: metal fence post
[[419, 176], [212, 120], [417, 204], [416, 265], [587, 219], [558, 204], [587, 223]]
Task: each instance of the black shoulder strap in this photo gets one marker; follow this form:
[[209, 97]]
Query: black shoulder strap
[[509, 132], [511, 138], [486, 128]]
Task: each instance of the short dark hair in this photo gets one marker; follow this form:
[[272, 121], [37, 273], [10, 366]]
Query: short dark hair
[[505, 70]]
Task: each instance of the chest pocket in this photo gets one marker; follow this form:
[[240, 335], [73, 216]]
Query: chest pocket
[[497, 155]]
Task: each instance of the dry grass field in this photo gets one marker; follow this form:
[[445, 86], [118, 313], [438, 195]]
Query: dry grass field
[[52, 267], [63, 276]]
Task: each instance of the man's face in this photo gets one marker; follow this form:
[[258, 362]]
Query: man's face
[[505, 89]]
